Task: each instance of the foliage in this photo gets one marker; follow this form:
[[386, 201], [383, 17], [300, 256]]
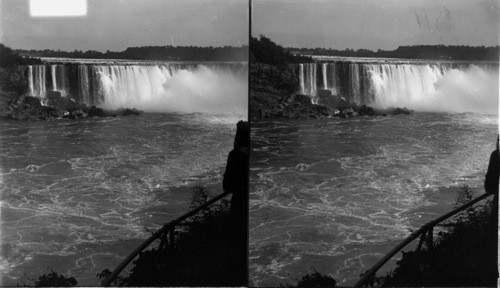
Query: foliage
[[265, 51], [463, 255], [12, 82], [184, 53], [54, 279], [11, 59], [314, 279], [205, 253], [199, 196], [106, 273], [435, 52], [317, 279]]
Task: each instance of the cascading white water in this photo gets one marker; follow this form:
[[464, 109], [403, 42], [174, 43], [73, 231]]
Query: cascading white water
[[420, 86], [123, 85], [331, 76], [83, 74], [54, 77], [312, 77], [36, 80], [402, 85], [162, 87], [307, 79], [302, 88], [324, 73], [355, 82]]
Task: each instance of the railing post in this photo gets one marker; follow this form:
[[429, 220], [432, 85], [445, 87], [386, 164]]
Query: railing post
[[430, 237], [421, 241], [171, 234], [164, 241]]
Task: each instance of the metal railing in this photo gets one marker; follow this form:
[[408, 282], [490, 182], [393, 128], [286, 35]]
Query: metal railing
[[169, 229], [425, 232]]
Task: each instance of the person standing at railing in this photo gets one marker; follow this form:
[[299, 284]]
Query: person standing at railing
[[491, 183], [236, 175], [491, 179], [236, 182]]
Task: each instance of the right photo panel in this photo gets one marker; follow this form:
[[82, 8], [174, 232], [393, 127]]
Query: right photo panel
[[374, 135]]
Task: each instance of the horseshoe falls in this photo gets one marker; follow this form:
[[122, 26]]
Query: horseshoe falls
[[422, 86], [149, 86]]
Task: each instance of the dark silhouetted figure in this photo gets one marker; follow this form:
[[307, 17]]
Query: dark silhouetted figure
[[236, 182], [236, 174], [491, 179], [491, 186]]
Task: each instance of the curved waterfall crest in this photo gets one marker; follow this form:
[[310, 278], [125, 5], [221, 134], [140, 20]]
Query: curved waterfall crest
[[424, 86], [147, 86]]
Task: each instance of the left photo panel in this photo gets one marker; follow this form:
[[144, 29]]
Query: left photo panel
[[124, 142]]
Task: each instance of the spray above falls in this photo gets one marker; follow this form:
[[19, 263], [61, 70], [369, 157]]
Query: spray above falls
[[163, 87], [454, 87]]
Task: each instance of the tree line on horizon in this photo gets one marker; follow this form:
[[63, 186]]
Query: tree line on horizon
[[427, 52], [264, 50], [12, 81], [167, 53]]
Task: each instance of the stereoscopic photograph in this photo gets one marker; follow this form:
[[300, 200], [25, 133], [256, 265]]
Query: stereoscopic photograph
[[249, 143], [124, 142], [372, 121]]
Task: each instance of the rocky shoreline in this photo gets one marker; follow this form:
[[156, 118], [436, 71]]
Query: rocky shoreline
[[272, 96], [30, 108]]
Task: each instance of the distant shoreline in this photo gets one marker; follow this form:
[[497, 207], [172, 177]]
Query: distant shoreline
[[418, 52], [153, 53], [105, 61], [389, 60]]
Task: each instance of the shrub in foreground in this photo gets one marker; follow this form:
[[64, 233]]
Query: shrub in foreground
[[463, 255]]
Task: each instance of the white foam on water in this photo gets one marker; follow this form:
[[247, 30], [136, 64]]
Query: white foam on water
[[154, 89], [428, 88]]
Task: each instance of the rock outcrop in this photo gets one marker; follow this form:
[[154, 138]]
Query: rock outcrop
[[31, 109], [272, 96]]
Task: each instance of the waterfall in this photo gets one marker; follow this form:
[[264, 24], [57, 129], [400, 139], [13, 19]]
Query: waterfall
[[36, 80], [83, 74], [323, 70], [425, 86], [181, 87], [307, 79], [403, 85], [355, 83], [301, 79], [53, 74]]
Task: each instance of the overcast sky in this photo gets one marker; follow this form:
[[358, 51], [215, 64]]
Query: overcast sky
[[118, 24], [377, 24]]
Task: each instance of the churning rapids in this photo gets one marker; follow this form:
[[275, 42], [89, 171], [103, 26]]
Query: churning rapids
[[337, 194], [76, 196]]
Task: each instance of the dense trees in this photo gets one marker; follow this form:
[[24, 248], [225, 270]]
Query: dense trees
[[434, 52], [12, 82], [182, 53], [263, 50]]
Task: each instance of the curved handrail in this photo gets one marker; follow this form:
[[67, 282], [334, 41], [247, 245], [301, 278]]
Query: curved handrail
[[414, 236], [156, 235]]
